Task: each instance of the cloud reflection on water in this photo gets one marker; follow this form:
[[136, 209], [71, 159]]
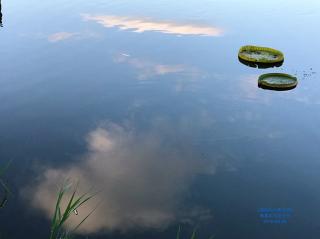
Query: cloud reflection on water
[[140, 25], [60, 36], [141, 178], [148, 69]]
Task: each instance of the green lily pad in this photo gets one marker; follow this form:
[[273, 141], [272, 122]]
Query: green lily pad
[[262, 55], [260, 65], [277, 81]]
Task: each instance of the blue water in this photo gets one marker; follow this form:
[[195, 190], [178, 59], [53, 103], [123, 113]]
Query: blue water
[[147, 103]]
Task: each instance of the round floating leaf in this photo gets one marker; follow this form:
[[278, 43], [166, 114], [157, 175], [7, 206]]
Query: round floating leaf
[[265, 56], [260, 65], [277, 81]]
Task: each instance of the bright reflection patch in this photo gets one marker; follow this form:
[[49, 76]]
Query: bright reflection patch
[[148, 69], [143, 25], [61, 36], [141, 180]]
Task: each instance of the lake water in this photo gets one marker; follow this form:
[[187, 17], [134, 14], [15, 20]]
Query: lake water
[[147, 103]]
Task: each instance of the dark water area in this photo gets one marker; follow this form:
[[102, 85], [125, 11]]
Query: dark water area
[[147, 103]]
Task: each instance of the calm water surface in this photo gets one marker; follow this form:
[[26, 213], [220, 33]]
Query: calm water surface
[[147, 103]]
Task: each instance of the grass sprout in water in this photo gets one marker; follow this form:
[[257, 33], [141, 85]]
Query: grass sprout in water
[[74, 203], [193, 235], [4, 186]]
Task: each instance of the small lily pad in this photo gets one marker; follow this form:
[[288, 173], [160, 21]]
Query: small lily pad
[[260, 55], [277, 81]]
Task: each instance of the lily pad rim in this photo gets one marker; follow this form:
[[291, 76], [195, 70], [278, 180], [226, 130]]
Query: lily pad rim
[[277, 86], [280, 56]]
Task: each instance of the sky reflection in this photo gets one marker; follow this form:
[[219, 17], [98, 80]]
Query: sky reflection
[[148, 69], [60, 36], [142, 181], [65, 35], [140, 25]]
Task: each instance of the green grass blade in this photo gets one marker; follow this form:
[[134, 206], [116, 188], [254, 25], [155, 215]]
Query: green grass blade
[[178, 232], [60, 217], [4, 200], [55, 223], [3, 169], [60, 195], [5, 187], [193, 236], [89, 214]]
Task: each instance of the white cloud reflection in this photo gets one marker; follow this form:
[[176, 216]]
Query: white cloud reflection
[[148, 69], [142, 181], [142, 25], [63, 36]]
